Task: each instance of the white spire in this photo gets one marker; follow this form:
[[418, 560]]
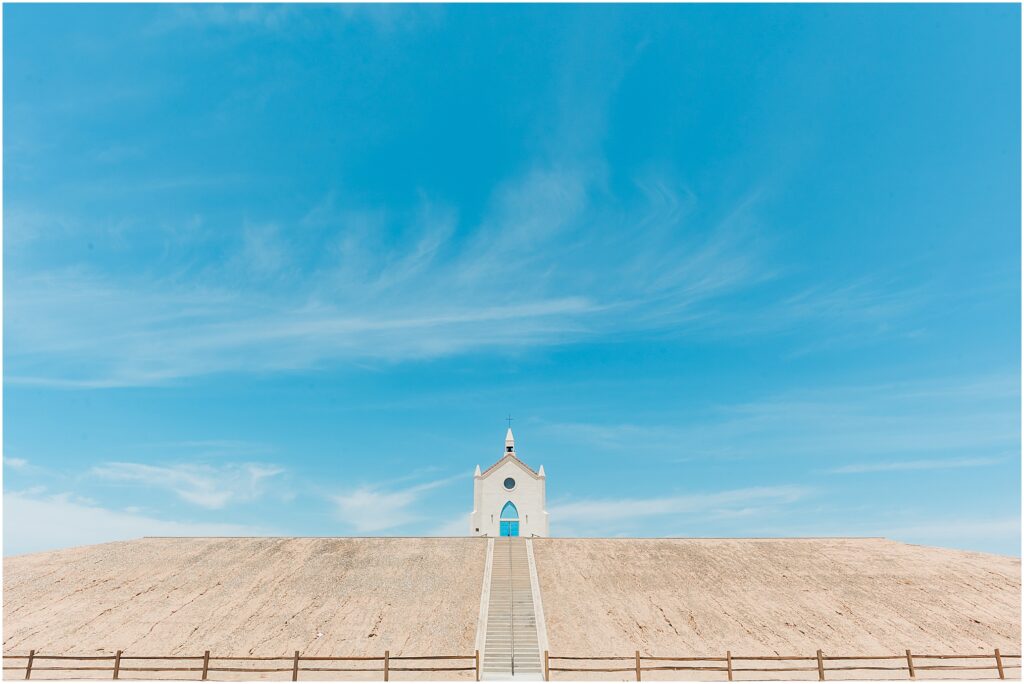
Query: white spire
[[510, 441]]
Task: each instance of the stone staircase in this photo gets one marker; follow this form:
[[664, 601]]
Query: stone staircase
[[511, 649]]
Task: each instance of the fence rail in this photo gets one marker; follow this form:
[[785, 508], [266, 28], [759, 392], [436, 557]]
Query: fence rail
[[912, 663], [636, 664], [383, 664]]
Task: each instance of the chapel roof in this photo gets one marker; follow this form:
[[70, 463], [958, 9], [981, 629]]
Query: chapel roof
[[508, 457]]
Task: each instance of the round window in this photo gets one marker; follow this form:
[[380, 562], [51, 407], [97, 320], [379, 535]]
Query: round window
[[510, 483]]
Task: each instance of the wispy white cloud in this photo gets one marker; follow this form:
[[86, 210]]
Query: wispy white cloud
[[375, 508], [919, 464], [943, 425], [1000, 534], [967, 533], [931, 416], [455, 527], [960, 420], [15, 463], [863, 299], [205, 449], [593, 513], [535, 272], [250, 16], [614, 436], [259, 18], [203, 485], [557, 255], [264, 253], [37, 522]]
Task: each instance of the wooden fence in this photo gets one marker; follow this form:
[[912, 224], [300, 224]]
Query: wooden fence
[[911, 663], [636, 664], [206, 664]]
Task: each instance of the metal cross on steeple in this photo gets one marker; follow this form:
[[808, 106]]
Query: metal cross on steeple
[[510, 419]]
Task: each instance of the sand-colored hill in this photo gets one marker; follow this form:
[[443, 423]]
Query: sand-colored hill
[[764, 597], [247, 596]]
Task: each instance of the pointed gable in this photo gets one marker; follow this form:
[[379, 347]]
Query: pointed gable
[[511, 456]]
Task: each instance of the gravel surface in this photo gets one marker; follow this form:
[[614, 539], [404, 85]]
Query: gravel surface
[[678, 597], [420, 596], [247, 596]]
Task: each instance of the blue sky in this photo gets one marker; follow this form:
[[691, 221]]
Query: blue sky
[[734, 270]]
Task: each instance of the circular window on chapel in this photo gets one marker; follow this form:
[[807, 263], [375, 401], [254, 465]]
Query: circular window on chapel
[[510, 483]]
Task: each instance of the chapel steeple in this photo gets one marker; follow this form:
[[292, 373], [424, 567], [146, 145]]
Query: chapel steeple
[[510, 442]]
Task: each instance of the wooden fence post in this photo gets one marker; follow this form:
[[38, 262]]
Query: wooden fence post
[[821, 667], [295, 668], [910, 665], [117, 664], [728, 664], [547, 669], [638, 666], [476, 659], [28, 667], [206, 665], [387, 664], [999, 664]]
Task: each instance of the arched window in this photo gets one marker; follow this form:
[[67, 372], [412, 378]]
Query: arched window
[[509, 512]]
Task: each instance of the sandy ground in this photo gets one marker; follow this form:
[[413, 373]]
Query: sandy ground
[[241, 597], [270, 597], [677, 597]]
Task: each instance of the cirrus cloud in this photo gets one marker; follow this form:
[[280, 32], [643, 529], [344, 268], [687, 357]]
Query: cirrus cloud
[[203, 485]]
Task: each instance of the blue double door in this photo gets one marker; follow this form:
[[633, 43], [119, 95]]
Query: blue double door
[[508, 521]]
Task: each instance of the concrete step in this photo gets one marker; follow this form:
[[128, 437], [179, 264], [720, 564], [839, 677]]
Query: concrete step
[[495, 649], [520, 638], [511, 631], [507, 668]]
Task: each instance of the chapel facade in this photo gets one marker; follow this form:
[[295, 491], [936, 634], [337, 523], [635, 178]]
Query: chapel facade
[[509, 498]]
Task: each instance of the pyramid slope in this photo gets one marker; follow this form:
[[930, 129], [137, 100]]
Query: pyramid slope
[[242, 596], [417, 596], [766, 597]]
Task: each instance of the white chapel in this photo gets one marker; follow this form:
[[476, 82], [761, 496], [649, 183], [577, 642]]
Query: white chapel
[[508, 498]]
